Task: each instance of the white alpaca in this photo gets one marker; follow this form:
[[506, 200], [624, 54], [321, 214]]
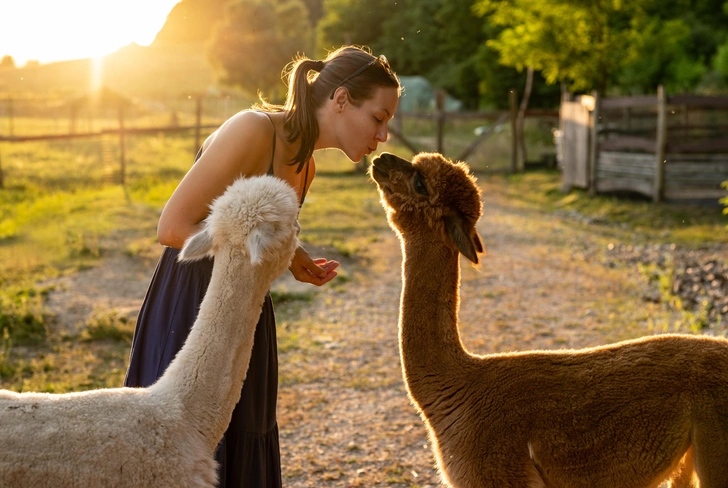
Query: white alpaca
[[625, 415], [165, 435]]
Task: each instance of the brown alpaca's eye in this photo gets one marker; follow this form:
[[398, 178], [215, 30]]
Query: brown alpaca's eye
[[420, 185]]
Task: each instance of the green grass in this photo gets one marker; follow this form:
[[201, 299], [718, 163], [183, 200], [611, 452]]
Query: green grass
[[686, 224]]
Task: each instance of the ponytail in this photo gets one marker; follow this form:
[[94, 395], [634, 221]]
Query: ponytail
[[300, 109]]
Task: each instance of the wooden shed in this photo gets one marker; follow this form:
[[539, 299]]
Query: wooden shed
[[665, 147]]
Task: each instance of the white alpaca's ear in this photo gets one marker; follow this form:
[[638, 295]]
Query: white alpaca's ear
[[467, 245], [260, 240], [197, 247]]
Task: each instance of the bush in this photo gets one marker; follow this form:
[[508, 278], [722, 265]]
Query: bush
[[21, 314], [724, 201], [108, 326]]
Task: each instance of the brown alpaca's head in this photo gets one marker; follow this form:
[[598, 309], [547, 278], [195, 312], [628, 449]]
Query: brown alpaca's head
[[430, 195]]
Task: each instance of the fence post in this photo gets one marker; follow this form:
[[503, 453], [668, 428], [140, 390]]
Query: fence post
[[11, 116], [399, 123], [514, 131], [198, 123], [440, 118], [122, 147], [659, 180], [594, 143], [72, 120]]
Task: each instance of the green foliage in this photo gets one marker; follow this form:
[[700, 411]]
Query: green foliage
[[684, 224], [669, 63], [108, 325], [724, 200], [581, 43], [21, 316], [438, 39], [352, 22], [255, 40], [720, 61], [280, 296], [626, 46], [6, 348]]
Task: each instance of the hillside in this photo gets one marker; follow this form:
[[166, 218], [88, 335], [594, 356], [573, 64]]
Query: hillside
[[190, 22], [175, 64], [157, 71]]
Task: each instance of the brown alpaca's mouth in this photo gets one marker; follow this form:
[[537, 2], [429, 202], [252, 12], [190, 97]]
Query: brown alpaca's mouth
[[378, 173], [383, 164]]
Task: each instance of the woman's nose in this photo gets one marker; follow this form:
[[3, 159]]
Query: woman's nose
[[382, 134]]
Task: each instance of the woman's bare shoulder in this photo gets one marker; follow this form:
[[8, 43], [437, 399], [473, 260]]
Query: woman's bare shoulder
[[247, 133], [248, 120]]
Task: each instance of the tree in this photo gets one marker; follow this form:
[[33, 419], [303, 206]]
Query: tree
[[7, 62], [579, 42], [430, 38], [597, 44], [257, 38], [669, 62], [190, 21], [351, 22]]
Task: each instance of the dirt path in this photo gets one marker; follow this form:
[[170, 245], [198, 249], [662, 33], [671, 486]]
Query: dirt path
[[344, 416]]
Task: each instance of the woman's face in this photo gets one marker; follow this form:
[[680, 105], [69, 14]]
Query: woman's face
[[361, 129]]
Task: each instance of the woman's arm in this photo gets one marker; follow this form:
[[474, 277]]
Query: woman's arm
[[240, 147]]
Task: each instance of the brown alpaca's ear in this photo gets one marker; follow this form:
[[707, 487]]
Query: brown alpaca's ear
[[469, 246]]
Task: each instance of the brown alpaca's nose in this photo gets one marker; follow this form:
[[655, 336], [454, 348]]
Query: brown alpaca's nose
[[388, 161]]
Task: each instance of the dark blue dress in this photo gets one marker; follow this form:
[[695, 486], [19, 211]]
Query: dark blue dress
[[248, 454]]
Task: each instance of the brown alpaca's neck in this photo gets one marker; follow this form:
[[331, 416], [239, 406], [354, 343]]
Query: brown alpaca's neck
[[207, 374], [429, 338]]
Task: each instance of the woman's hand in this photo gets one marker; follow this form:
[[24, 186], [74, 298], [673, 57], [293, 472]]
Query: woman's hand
[[317, 271]]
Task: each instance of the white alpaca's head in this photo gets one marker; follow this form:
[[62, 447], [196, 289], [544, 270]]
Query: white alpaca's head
[[430, 196], [255, 217]]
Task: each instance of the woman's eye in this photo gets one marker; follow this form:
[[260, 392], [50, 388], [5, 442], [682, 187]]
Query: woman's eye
[[379, 121], [420, 185]]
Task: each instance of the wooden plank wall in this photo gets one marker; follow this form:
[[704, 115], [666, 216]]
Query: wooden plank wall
[[649, 145], [624, 171]]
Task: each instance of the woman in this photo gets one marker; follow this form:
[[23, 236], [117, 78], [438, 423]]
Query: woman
[[345, 104]]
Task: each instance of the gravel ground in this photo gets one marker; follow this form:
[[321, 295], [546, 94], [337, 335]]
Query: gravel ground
[[548, 281]]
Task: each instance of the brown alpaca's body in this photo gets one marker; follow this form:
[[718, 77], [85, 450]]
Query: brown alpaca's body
[[625, 415]]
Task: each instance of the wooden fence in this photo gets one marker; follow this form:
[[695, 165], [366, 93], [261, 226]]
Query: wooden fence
[[120, 119], [125, 112], [667, 147], [494, 118]]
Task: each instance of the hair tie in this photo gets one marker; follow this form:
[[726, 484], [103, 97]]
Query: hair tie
[[318, 66]]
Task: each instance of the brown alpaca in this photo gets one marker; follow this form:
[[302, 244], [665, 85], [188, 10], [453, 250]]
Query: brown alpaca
[[625, 415]]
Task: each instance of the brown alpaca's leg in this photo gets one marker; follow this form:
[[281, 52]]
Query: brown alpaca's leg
[[710, 453], [684, 474]]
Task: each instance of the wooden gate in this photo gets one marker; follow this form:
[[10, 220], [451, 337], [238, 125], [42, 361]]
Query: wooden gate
[[575, 129]]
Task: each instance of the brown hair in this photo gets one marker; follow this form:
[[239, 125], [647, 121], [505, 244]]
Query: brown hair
[[307, 91]]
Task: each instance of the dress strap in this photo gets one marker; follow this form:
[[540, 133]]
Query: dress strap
[[273, 154], [272, 157], [305, 182]]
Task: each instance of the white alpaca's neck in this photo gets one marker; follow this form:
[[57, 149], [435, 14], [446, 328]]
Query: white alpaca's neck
[[207, 374], [432, 354]]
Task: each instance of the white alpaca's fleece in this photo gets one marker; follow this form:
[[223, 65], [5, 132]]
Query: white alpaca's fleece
[[165, 435]]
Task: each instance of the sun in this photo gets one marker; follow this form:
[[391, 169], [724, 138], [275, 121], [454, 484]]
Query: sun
[[50, 30]]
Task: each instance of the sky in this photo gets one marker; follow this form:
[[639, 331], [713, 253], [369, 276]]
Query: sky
[[56, 30]]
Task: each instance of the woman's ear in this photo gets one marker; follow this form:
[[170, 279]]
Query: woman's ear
[[341, 96]]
